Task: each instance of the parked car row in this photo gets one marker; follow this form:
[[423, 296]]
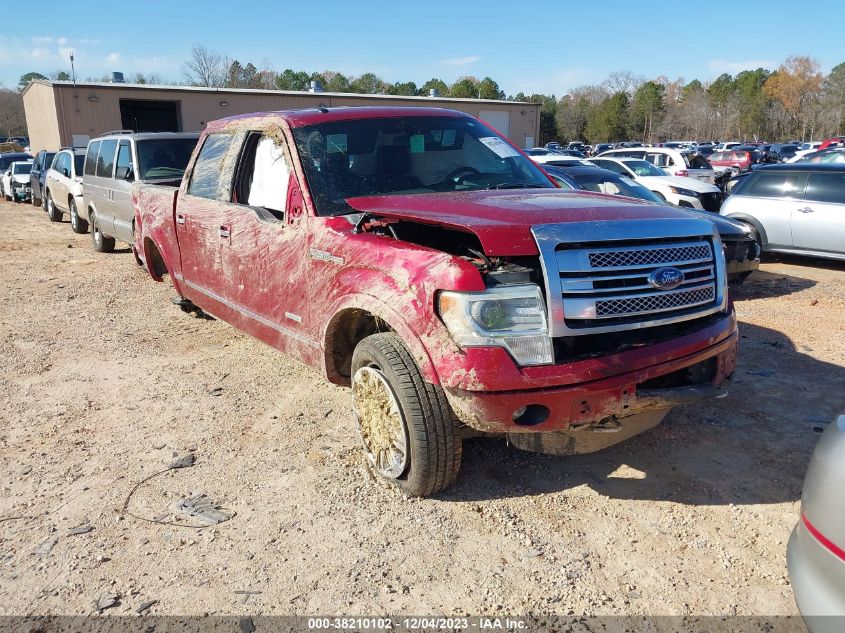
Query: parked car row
[[797, 208]]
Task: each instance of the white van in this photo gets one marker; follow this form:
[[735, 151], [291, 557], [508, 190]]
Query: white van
[[112, 162]]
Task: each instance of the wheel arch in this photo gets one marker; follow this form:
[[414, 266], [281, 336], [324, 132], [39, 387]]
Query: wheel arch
[[750, 219], [355, 319], [157, 266]]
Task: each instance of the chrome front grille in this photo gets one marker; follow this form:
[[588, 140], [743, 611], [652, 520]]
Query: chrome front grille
[[598, 273], [648, 304], [665, 255]]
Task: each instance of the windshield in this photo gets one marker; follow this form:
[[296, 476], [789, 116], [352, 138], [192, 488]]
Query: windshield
[[616, 185], [164, 158], [644, 168], [23, 168], [695, 161], [407, 155], [5, 161]]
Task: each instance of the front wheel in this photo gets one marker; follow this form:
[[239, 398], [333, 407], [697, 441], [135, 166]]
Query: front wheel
[[102, 243], [52, 212], [406, 424], [76, 223]]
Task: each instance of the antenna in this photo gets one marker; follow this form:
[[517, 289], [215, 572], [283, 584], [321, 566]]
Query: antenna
[[72, 70]]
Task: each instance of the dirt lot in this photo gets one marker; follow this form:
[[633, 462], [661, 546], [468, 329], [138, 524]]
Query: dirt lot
[[103, 382]]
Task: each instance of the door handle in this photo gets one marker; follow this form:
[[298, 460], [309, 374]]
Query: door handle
[[806, 210], [223, 232], [180, 218]]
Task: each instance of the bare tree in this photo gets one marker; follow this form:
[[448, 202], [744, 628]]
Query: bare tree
[[623, 81], [12, 118], [206, 67]]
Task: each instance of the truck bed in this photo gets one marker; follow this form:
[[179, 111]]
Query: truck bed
[[155, 206]]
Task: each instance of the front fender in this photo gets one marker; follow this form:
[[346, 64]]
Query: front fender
[[393, 318], [750, 219]]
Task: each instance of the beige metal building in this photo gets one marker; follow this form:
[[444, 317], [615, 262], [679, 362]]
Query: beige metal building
[[61, 113]]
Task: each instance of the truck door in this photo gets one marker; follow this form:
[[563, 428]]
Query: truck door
[[201, 208], [264, 248]]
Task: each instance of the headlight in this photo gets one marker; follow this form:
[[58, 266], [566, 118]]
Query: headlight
[[685, 192], [513, 317]]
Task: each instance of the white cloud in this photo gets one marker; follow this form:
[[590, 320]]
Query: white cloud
[[40, 54], [113, 58], [462, 61], [719, 66]]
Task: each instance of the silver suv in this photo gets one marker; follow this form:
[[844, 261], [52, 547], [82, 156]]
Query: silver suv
[[112, 162], [796, 208]]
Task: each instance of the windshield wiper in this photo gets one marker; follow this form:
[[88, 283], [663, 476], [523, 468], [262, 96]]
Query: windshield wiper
[[513, 185]]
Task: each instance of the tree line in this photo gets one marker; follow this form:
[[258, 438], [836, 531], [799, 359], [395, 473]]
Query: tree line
[[209, 68], [795, 101]]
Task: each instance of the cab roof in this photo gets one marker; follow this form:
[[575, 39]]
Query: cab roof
[[823, 167], [312, 116]]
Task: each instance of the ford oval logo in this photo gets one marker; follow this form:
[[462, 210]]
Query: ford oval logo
[[666, 278]]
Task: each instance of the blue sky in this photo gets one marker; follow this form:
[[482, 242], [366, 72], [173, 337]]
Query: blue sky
[[527, 46]]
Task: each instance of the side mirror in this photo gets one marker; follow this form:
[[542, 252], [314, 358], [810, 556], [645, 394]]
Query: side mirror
[[124, 173], [65, 172]]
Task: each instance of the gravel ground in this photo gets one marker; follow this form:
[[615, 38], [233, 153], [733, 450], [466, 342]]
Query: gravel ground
[[103, 382]]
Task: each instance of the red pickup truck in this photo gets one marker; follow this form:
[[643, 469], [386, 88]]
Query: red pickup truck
[[417, 256]]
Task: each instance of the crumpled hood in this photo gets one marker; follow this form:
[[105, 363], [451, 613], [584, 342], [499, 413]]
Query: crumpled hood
[[21, 179], [502, 219]]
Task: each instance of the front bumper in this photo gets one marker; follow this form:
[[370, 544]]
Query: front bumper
[[21, 192], [818, 582], [742, 257], [582, 402]]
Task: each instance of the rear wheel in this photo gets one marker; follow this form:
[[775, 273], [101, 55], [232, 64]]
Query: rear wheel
[[76, 223], [405, 423], [36, 202], [102, 243], [52, 212]]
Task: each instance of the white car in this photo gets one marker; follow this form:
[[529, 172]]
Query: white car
[[679, 190], [15, 181], [806, 148], [560, 160], [63, 188], [723, 147], [676, 162]]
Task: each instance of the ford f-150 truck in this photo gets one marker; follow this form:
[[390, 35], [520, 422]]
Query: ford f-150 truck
[[417, 256]]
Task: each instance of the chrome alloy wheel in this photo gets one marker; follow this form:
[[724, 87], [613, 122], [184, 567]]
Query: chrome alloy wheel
[[381, 422]]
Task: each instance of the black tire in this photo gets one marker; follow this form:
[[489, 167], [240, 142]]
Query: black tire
[[659, 195], [102, 243], [434, 447], [52, 212], [76, 223]]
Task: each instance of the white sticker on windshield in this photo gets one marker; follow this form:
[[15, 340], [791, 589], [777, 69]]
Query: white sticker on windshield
[[499, 147]]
